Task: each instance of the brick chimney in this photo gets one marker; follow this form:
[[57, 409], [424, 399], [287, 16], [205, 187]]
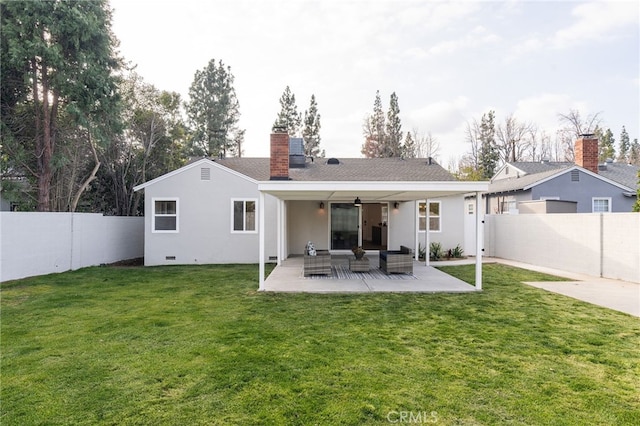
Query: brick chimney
[[279, 160], [586, 152]]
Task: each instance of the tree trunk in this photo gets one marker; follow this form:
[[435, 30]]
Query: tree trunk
[[45, 175], [89, 179]]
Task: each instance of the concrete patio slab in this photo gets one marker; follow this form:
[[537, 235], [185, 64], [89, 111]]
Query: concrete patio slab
[[288, 278]]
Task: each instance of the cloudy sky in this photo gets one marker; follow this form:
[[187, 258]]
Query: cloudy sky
[[448, 62]]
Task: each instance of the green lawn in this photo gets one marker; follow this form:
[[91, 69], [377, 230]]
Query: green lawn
[[198, 345]]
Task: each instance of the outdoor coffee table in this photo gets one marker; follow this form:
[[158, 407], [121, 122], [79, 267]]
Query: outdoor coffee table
[[359, 265]]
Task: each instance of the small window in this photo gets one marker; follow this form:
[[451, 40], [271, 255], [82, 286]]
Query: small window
[[434, 216], [243, 215], [507, 206], [601, 205], [165, 215]]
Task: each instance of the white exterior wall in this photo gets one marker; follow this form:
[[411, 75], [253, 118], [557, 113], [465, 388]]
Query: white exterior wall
[[41, 243], [307, 222], [605, 245], [205, 219]]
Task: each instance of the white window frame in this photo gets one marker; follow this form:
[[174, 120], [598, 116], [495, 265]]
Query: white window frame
[[153, 215], [244, 217], [607, 199], [428, 216]]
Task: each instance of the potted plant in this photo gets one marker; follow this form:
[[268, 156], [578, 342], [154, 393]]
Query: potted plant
[[358, 251]]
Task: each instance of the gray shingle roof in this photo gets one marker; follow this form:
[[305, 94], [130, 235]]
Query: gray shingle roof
[[349, 169], [620, 173], [514, 184], [624, 174]]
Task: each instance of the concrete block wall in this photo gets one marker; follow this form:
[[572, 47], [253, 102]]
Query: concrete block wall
[[41, 243], [601, 245]]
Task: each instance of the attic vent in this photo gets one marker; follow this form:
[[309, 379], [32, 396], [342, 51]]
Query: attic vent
[[205, 173], [575, 176], [333, 161]]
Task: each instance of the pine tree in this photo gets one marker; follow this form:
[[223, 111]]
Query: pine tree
[[625, 146], [393, 139], [58, 63], [606, 147], [489, 155], [288, 117], [213, 111], [409, 148], [311, 131], [374, 131]]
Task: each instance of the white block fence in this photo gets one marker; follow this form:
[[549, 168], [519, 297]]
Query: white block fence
[[598, 244], [41, 243]]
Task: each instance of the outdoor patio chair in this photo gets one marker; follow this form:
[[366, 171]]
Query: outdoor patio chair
[[397, 261], [320, 264]]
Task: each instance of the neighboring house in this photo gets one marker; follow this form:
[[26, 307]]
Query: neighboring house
[[248, 210], [583, 187]]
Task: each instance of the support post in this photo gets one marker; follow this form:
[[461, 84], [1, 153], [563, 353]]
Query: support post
[[479, 240], [427, 238], [279, 231], [261, 230]]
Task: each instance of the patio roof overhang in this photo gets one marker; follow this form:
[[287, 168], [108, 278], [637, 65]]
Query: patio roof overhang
[[371, 191], [367, 191]]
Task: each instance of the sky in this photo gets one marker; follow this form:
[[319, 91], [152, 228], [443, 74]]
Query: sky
[[449, 62]]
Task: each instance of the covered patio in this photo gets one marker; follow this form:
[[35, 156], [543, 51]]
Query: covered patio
[[287, 277], [288, 274]]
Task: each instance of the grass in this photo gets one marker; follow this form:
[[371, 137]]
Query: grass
[[198, 345]]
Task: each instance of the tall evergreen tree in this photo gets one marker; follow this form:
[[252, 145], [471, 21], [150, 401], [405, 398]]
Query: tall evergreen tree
[[625, 146], [311, 130], [393, 138], [374, 131], [288, 118], [58, 62], [214, 111], [409, 147], [489, 155], [606, 145]]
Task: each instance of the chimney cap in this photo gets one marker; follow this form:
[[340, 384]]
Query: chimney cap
[[587, 135], [279, 128]]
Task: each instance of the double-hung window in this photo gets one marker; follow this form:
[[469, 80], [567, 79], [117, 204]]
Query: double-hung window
[[243, 215], [165, 215], [601, 204], [434, 216]]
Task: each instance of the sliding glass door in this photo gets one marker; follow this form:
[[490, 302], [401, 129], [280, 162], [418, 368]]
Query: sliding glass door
[[345, 230]]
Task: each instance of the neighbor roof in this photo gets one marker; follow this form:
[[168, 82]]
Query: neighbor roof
[[348, 169], [618, 173]]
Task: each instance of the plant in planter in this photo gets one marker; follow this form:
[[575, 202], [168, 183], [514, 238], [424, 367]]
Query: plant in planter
[[435, 251], [358, 252]]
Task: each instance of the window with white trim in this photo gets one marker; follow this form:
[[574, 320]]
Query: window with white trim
[[434, 216], [165, 215], [243, 215], [601, 204]]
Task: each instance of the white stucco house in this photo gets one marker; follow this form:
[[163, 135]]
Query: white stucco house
[[253, 210]]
